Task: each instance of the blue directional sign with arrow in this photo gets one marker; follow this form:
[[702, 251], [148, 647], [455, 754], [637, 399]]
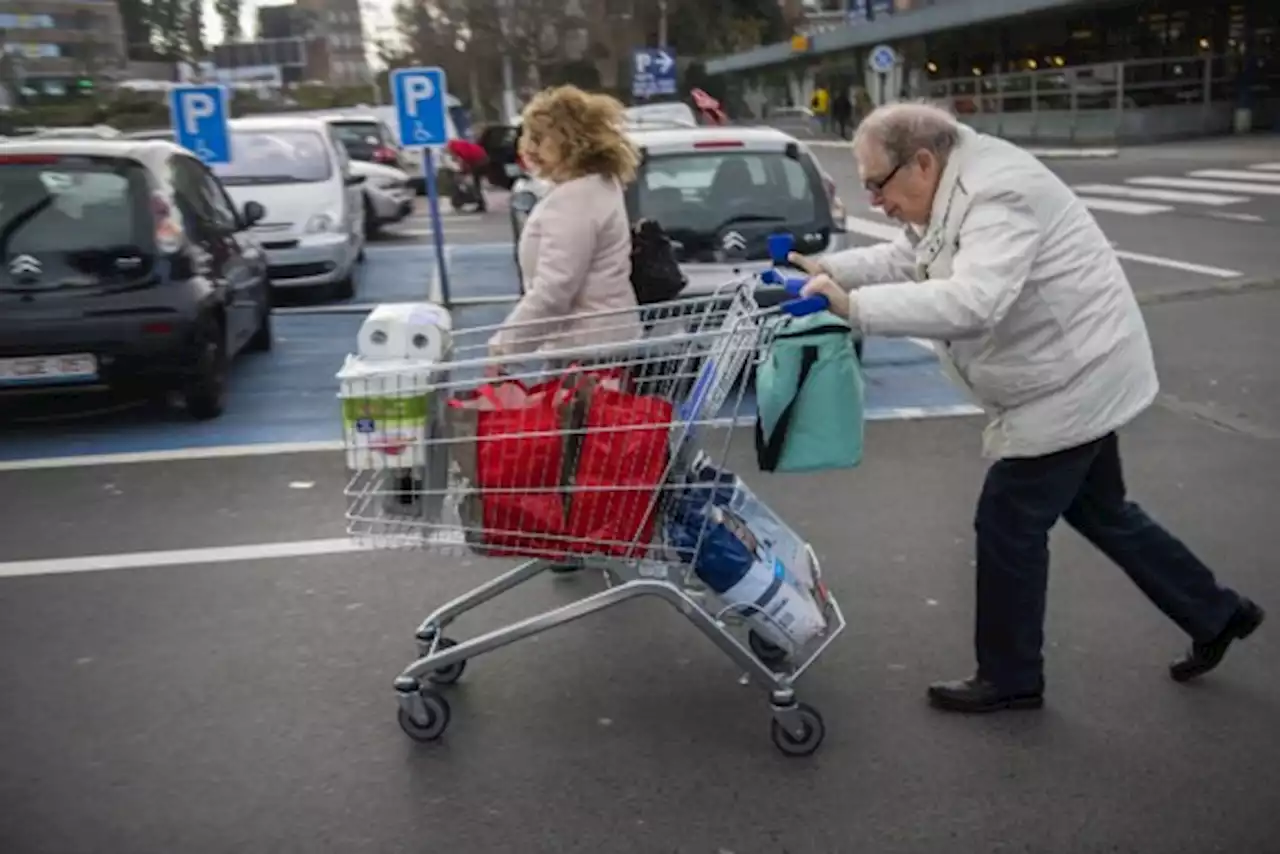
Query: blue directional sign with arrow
[[653, 73]]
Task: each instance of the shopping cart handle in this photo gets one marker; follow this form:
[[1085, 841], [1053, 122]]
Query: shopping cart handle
[[792, 284], [806, 305]]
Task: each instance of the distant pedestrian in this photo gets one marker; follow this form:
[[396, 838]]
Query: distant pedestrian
[[1009, 271], [842, 113], [472, 159]]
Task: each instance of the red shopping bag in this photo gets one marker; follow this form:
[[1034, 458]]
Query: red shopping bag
[[621, 462], [517, 469]]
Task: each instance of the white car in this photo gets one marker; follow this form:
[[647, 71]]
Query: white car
[[313, 230], [388, 195], [665, 113], [719, 192]]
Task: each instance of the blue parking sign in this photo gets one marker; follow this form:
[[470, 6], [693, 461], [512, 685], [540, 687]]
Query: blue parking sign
[[653, 73], [199, 115], [422, 106]]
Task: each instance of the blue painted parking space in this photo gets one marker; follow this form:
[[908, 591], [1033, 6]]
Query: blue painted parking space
[[289, 394]]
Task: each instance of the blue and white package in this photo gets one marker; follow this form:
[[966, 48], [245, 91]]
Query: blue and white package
[[752, 560]]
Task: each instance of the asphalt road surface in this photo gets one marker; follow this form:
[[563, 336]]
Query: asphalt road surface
[[192, 662]]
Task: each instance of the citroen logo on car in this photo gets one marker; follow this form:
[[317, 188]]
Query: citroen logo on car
[[24, 268], [734, 240]]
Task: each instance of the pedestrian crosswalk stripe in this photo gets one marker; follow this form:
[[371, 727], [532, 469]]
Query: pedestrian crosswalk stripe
[[1156, 195], [1123, 206], [1200, 184], [1237, 175]]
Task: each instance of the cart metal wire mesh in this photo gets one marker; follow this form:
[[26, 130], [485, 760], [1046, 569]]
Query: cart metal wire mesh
[[568, 457]]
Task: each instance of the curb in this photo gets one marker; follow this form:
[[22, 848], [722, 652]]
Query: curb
[[1229, 287]]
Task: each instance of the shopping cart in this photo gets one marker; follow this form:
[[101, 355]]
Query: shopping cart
[[426, 490]]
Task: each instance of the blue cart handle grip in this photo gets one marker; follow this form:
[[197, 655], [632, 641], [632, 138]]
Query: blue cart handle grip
[[806, 305], [792, 284]]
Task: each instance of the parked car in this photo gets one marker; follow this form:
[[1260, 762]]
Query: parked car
[[388, 192], [367, 138], [297, 170], [126, 265], [662, 113], [388, 195]]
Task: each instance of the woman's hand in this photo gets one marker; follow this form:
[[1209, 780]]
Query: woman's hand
[[823, 285], [809, 265]]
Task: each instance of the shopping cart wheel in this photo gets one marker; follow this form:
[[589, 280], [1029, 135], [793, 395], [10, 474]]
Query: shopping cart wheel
[[814, 731], [447, 675], [769, 653], [437, 720]]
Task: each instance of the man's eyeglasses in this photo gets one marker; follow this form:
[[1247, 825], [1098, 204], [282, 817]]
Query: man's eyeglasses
[[877, 185]]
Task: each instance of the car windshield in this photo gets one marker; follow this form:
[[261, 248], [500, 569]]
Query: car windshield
[[697, 196], [360, 138], [276, 157], [73, 210]]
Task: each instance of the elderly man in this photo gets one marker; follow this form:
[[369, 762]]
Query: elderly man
[[1005, 268]]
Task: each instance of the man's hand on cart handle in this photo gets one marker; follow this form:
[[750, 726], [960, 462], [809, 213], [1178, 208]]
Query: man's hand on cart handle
[[823, 285], [811, 266]]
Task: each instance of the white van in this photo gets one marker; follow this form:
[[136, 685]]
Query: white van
[[312, 225]]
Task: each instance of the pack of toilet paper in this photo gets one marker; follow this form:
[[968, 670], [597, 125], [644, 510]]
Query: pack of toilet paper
[[388, 411], [418, 331]]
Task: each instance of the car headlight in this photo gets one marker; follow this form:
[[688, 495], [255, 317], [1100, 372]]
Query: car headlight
[[321, 224], [389, 184]]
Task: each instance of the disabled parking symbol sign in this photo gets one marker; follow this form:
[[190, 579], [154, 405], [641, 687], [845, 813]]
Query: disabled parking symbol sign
[[422, 109], [199, 115]]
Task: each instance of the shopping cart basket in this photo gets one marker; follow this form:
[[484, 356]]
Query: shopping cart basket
[[449, 485]]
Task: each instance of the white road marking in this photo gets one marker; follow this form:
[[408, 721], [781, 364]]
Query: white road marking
[[883, 231], [1124, 207], [1236, 175], [1174, 264], [210, 453], [1212, 186], [1159, 195], [179, 557], [872, 228], [1266, 167], [1238, 217]]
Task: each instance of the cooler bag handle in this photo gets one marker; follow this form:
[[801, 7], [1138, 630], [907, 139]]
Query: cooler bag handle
[[769, 453]]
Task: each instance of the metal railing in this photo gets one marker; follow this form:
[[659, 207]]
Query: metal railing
[[1133, 98]]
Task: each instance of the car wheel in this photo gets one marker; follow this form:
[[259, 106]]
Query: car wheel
[[262, 339], [344, 289], [206, 390], [371, 225]]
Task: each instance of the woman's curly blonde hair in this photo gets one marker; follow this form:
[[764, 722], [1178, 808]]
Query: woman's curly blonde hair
[[584, 130]]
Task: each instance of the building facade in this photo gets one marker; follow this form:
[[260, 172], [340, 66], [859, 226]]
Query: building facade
[[1068, 68], [339, 25], [55, 48]]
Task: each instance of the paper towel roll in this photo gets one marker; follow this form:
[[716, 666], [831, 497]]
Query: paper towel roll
[[417, 331]]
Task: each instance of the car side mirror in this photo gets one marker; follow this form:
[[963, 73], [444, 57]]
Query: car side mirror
[[253, 214], [523, 201], [354, 180]]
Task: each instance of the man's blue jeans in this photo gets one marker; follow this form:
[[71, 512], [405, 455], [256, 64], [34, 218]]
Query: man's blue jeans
[[1021, 501]]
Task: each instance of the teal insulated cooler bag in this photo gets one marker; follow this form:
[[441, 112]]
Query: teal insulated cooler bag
[[809, 393]]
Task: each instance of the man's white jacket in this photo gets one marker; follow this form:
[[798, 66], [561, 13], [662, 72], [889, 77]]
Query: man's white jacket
[[1031, 310]]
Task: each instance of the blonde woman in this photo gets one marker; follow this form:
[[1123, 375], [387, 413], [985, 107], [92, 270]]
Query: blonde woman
[[575, 249]]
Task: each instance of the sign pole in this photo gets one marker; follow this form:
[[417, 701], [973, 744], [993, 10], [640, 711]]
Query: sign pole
[[421, 98], [437, 225]]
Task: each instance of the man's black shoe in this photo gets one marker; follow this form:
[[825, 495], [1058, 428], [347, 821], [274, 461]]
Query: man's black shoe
[[977, 695], [1203, 657]]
